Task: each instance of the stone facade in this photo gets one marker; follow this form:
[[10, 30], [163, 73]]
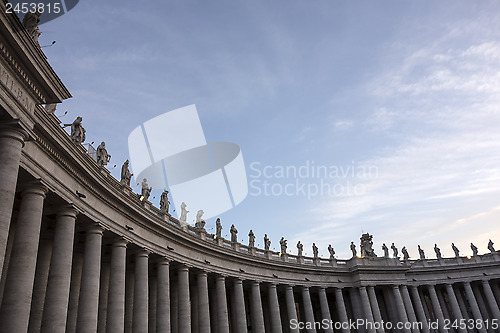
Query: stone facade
[[79, 252]]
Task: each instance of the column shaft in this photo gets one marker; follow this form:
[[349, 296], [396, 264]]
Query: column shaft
[[91, 273], [274, 308], [239, 298], [163, 310], [419, 309], [74, 294], [367, 308], [377, 317], [401, 307], [256, 308], [115, 321], [473, 304], [325, 309], [12, 139], [141, 290], [290, 307], [203, 303], [57, 298], [153, 303], [409, 308], [436, 308], [457, 314], [308, 310], [222, 316], [339, 299], [103, 297], [16, 302], [490, 297], [184, 305]]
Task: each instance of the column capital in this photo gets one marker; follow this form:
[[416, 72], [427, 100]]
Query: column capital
[[183, 267], [120, 242], [143, 252], [17, 130], [95, 228], [164, 261], [69, 210], [38, 187]]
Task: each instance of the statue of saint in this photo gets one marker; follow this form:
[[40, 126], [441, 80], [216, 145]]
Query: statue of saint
[[77, 130], [30, 22], [146, 190], [366, 246], [438, 251], [251, 239], [102, 155], [218, 228], [300, 248], [394, 250], [234, 234], [456, 250], [126, 175], [200, 224], [184, 213], [353, 250], [386, 250], [490, 246], [164, 203], [421, 252], [315, 250], [406, 255], [332, 251], [474, 249], [283, 245], [267, 243]]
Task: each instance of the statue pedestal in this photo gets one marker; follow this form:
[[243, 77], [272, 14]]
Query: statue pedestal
[[316, 261], [104, 171], [268, 254], [146, 204], [333, 262], [251, 250], [126, 189], [284, 257], [165, 216], [235, 246], [300, 259], [459, 260], [219, 241]]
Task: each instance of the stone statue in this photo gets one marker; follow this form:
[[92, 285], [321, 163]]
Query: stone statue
[[126, 175], [315, 250], [490, 246], [386, 250], [234, 234], [438, 251], [300, 248], [283, 245], [421, 253], [394, 250], [30, 22], [331, 250], [164, 203], [456, 250], [77, 130], [353, 249], [146, 190], [474, 249], [251, 239], [102, 155], [267, 243], [366, 246], [184, 213], [218, 229], [200, 224], [406, 255]]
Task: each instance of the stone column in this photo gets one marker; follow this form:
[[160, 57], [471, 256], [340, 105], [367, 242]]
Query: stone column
[[8, 252], [115, 321], [40, 287], [241, 316], [290, 307], [308, 310], [375, 307], [490, 297], [59, 283], [457, 314], [89, 291], [153, 303], [184, 305], [325, 309], [473, 305], [409, 308], [367, 310], [16, 302], [419, 309], [400, 306], [163, 310], [436, 307], [129, 300], [103, 297], [339, 298], [12, 137], [174, 306], [74, 294], [203, 303], [141, 290], [256, 308], [194, 308], [222, 318], [274, 308]]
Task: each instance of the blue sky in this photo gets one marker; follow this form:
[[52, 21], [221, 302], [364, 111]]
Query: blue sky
[[407, 89]]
